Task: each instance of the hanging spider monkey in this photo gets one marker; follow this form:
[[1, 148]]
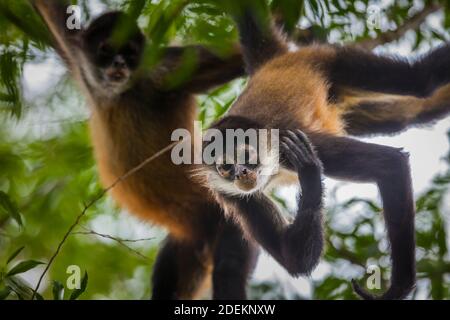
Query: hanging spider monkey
[[133, 116], [317, 96]]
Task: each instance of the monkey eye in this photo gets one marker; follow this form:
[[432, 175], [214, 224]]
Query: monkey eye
[[252, 166], [225, 170], [105, 49], [225, 167], [130, 50]]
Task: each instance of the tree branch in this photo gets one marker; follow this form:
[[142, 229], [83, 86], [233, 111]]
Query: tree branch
[[413, 23], [347, 255]]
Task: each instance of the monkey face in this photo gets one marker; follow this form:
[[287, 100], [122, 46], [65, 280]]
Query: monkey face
[[117, 65], [243, 175], [112, 65]]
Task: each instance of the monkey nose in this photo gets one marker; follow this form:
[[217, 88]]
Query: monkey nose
[[119, 62], [241, 174]]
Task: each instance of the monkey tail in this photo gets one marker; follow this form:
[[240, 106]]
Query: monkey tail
[[367, 114], [393, 293]]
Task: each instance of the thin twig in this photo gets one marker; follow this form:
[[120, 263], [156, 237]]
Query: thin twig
[[121, 241], [118, 240], [91, 203], [412, 23], [90, 231], [346, 254]]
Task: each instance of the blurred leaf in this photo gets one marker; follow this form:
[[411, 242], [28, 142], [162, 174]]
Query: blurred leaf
[[39, 297], [10, 207], [23, 266], [58, 290], [4, 293], [15, 254], [19, 287], [77, 292]]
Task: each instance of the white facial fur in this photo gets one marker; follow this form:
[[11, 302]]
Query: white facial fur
[[222, 185], [100, 80]]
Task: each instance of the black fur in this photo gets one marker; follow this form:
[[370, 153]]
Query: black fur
[[102, 31], [182, 266], [261, 43], [176, 262], [234, 259], [348, 159], [297, 246], [357, 68]]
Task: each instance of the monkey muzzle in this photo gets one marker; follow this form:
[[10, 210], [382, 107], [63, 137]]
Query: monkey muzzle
[[117, 74], [245, 179], [242, 177]]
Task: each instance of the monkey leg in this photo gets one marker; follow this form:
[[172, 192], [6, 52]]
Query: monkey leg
[[388, 167], [234, 260], [180, 269]]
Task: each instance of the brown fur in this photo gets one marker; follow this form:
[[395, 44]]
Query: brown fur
[[148, 193], [368, 113], [129, 127], [305, 100]]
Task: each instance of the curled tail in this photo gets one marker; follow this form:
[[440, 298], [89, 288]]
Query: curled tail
[[368, 114]]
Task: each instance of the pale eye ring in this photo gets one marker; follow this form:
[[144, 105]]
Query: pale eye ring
[[226, 167], [225, 170]]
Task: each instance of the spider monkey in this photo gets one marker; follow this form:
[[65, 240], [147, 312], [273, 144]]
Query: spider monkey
[[317, 96], [133, 116]]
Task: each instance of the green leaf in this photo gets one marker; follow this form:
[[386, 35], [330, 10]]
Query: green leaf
[[11, 258], [19, 287], [23, 266], [4, 293], [58, 290], [77, 292], [10, 207], [39, 297]]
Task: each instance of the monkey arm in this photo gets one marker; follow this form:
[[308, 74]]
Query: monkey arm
[[210, 70], [296, 246], [348, 159], [259, 40], [54, 14], [359, 69]]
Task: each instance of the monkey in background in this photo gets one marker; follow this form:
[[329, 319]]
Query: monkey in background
[[317, 96], [133, 116]]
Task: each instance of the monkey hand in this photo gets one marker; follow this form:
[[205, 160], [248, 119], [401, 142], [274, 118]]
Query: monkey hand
[[298, 151]]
